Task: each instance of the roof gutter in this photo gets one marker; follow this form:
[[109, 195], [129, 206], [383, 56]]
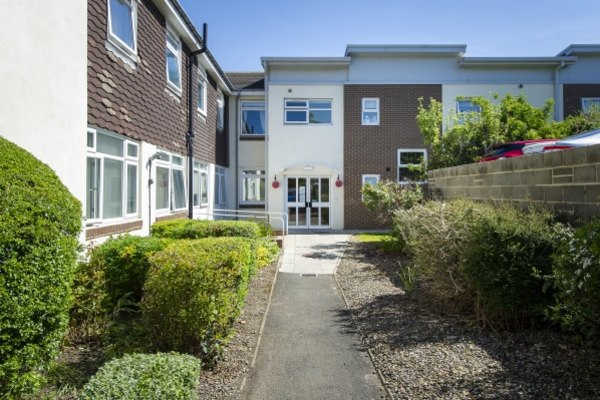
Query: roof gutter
[[189, 137]]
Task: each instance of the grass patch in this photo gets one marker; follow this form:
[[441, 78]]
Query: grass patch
[[382, 240]]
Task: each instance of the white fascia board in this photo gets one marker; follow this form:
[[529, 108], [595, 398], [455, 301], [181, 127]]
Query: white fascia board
[[175, 20], [248, 93], [514, 61], [581, 49], [295, 61], [207, 63], [406, 49]]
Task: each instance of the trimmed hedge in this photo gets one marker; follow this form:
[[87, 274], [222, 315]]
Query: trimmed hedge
[[115, 272], [577, 280], [146, 376], [194, 291], [199, 229], [39, 226]]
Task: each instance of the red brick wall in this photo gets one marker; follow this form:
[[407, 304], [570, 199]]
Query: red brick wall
[[136, 102], [572, 95], [374, 149]]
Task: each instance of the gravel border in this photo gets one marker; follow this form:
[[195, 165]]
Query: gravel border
[[228, 377], [422, 354]]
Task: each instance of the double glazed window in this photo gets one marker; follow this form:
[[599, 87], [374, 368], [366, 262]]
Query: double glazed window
[[122, 25], [253, 186], [220, 112], [409, 161], [170, 182], [202, 92], [173, 55], [466, 109], [370, 111], [587, 103], [299, 111], [220, 187], [111, 177], [370, 179], [253, 117], [200, 188]]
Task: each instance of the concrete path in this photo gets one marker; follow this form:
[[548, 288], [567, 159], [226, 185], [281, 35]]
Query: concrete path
[[312, 253], [308, 348]]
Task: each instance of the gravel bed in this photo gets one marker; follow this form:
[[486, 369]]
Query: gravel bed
[[427, 355], [225, 380]]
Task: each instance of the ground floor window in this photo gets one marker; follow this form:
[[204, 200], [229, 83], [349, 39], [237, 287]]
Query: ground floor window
[[253, 186], [409, 161], [200, 188], [370, 179], [589, 103], [111, 176], [170, 182], [220, 187]]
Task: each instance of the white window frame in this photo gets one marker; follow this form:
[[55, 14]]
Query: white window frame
[[126, 161], [370, 110], [399, 165], [252, 108], [220, 191], [220, 112], [367, 176], [171, 166], [587, 102], [200, 170], [118, 45], [202, 91], [253, 173], [473, 110], [177, 52], [306, 108]]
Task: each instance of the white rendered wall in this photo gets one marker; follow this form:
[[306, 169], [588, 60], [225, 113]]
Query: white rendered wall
[[43, 84], [536, 94], [292, 147]]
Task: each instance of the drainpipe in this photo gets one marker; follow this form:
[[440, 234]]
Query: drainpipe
[[189, 137], [558, 98]]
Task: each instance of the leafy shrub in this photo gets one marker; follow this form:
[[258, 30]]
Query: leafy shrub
[[39, 227], [146, 376], [114, 275], [577, 280], [265, 251], [386, 197], [436, 235], [509, 253], [194, 291], [198, 229]]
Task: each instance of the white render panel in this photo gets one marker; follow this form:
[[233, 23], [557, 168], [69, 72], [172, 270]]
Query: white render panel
[[307, 74], [43, 95], [251, 153], [319, 147], [536, 94], [585, 70]]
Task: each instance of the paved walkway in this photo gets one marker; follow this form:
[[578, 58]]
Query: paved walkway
[[309, 349]]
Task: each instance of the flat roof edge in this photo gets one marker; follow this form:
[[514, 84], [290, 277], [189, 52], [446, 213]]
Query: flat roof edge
[[341, 61], [467, 61], [458, 49]]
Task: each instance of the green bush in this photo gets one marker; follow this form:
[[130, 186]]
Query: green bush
[[146, 376], [386, 197], [265, 251], [114, 275], [436, 235], [509, 254], [194, 291], [39, 226], [577, 280], [198, 229]]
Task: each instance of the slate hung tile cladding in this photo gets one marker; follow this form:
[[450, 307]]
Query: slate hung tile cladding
[[572, 95], [373, 149], [135, 102]]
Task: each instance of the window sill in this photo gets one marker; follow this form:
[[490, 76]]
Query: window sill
[[173, 91], [128, 56], [98, 231], [252, 137]]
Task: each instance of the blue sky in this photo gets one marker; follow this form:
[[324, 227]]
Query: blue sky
[[242, 31]]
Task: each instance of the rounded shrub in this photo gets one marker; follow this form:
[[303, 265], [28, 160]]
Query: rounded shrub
[[194, 291], [145, 376], [198, 229], [577, 280], [39, 226]]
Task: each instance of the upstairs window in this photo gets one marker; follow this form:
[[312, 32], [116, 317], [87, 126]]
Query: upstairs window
[[220, 112], [307, 111], [370, 111], [408, 161], [121, 24], [173, 53], [253, 118], [589, 103], [202, 93]]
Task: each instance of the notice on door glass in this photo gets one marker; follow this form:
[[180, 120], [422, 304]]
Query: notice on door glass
[[302, 194]]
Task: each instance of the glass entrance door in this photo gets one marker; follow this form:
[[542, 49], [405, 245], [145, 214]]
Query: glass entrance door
[[308, 202]]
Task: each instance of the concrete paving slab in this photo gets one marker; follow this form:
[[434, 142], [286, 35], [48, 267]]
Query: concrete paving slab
[[312, 253]]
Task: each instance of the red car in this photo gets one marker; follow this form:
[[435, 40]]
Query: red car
[[512, 149]]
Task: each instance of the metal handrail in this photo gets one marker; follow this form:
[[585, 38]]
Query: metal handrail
[[268, 215]]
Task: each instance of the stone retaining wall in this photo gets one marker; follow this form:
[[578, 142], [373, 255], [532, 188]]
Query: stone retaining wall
[[567, 182]]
